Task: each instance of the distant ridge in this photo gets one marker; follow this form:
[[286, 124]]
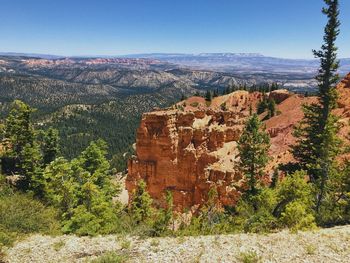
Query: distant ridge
[[222, 62], [33, 55], [169, 55], [242, 62]]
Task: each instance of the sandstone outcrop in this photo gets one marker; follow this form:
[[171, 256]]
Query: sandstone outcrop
[[191, 147]]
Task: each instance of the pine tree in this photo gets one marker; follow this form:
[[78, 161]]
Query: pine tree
[[274, 179], [317, 141], [83, 191], [50, 145], [272, 108], [165, 216], [22, 154], [31, 169], [208, 96], [263, 104], [216, 93], [93, 161], [61, 186], [141, 205], [253, 147], [18, 131]]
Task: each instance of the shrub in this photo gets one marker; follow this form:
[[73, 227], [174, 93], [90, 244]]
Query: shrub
[[260, 222], [22, 214], [110, 257], [248, 257], [6, 237], [141, 205], [289, 204], [223, 106], [335, 208], [295, 202], [100, 219], [297, 217], [212, 219], [164, 217]]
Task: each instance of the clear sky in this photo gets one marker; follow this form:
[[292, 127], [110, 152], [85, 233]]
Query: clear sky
[[282, 28]]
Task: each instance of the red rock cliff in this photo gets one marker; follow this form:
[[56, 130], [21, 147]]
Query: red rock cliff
[[192, 147]]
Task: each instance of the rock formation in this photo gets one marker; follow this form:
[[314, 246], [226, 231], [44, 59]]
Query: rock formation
[[191, 147]]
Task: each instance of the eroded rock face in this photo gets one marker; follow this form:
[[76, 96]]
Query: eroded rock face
[[192, 147]]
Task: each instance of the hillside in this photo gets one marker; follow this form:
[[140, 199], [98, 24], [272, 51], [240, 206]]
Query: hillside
[[90, 98]]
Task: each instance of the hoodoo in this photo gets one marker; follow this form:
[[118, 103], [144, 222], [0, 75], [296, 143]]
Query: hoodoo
[[191, 147]]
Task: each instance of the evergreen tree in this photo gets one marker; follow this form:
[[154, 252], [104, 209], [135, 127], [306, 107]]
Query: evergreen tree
[[141, 205], [274, 86], [19, 130], [253, 147], [216, 93], [93, 160], [31, 168], [165, 216], [168, 214], [61, 186], [22, 155], [274, 179], [317, 141], [208, 96], [271, 108], [50, 145], [263, 104], [83, 191]]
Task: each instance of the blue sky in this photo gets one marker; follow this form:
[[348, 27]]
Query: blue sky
[[282, 28]]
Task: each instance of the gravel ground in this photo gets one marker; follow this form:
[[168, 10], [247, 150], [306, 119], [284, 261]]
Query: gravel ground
[[325, 245]]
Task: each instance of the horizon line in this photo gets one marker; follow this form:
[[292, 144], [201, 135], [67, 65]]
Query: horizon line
[[55, 56], [252, 54]]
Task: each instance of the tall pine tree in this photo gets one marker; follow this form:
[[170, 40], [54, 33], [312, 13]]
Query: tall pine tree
[[50, 145], [253, 147], [317, 141]]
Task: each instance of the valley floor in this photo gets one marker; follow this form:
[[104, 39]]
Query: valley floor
[[324, 245]]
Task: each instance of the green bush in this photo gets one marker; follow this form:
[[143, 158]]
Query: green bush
[[260, 222], [295, 202], [202, 225], [335, 208], [110, 257], [101, 219], [21, 214], [249, 257], [212, 219], [297, 217], [6, 237], [289, 204]]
